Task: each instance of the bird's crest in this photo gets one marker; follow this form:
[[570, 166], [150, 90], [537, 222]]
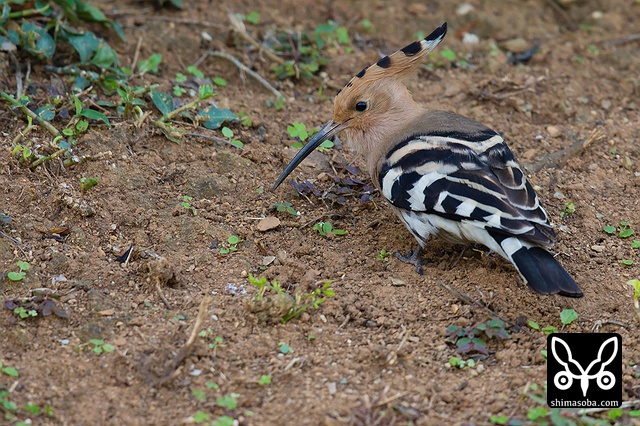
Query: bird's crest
[[398, 65]]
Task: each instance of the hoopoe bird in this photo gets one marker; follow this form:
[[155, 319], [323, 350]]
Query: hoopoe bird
[[444, 174]]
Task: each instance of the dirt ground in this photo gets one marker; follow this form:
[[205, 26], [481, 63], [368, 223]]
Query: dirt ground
[[377, 350]]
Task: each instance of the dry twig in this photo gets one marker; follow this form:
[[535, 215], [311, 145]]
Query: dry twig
[[246, 69], [172, 369], [559, 158]]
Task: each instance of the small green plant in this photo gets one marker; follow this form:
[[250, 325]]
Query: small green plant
[[228, 133], [326, 228], [499, 420], [18, 276], [383, 255], [186, 202], [277, 103], [569, 209], [232, 247], [264, 380], [299, 303], [286, 207], [150, 65], [9, 371], [199, 394], [298, 130], [24, 313], [470, 339], [219, 81], [87, 183], [460, 363], [625, 230], [284, 348], [244, 118], [567, 316], [99, 346], [230, 401]]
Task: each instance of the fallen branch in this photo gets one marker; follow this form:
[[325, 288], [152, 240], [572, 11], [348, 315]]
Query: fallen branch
[[244, 68], [172, 369]]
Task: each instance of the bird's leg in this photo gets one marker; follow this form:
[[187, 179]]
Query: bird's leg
[[413, 257]]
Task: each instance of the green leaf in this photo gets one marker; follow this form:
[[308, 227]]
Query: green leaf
[[85, 44], [95, 115], [151, 64], [82, 126], [180, 78], [200, 417], [37, 41], [448, 54], [264, 380], [284, 348], [162, 101], [634, 413], [568, 316], [614, 413], [16, 276], [339, 232], [236, 143], [253, 17], [549, 329], [609, 229], [635, 244], [228, 401], [219, 81], [46, 112], [534, 325], [227, 132], [32, 408], [193, 70], [10, 371], [626, 233], [105, 57], [233, 239], [627, 262], [24, 266], [214, 117], [205, 92]]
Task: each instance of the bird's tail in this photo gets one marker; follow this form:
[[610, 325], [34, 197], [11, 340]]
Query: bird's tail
[[543, 273]]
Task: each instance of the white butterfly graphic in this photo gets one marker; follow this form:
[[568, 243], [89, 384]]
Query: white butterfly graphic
[[564, 379]]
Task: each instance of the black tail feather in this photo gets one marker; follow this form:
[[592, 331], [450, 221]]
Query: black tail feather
[[543, 273]]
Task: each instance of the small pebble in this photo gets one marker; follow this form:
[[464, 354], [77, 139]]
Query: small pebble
[[332, 388], [64, 341], [464, 9], [554, 131], [597, 248], [469, 38], [516, 45], [268, 223]]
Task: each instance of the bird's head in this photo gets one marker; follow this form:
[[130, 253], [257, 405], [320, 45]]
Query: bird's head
[[373, 101]]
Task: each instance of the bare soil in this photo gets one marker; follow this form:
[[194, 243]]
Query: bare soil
[[377, 349]]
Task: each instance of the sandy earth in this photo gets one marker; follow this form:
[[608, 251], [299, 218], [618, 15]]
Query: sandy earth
[[377, 350]]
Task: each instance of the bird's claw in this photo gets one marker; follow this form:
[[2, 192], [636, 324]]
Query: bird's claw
[[413, 257]]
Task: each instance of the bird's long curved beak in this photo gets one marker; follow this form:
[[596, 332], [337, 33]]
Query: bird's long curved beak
[[327, 132]]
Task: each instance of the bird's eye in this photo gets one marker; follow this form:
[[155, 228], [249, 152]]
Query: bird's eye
[[361, 106]]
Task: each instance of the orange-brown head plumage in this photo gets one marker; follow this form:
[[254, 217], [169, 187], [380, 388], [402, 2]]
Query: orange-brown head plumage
[[398, 66]]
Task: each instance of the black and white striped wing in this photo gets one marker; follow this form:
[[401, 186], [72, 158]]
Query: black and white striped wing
[[463, 182]]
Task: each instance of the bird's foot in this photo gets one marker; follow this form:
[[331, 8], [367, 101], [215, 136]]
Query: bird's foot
[[413, 257]]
